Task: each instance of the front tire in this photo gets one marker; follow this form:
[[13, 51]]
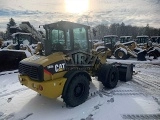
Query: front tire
[[112, 78], [77, 91], [120, 54], [108, 75]]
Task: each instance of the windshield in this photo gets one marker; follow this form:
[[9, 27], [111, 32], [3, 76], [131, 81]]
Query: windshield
[[60, 40], [64, 40], [142, 39], [110, 39], [80, 39], [22, 39], [125, 39]]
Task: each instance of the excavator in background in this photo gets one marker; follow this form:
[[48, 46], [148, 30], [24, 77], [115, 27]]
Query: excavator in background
[[67, 64], [23, 43]]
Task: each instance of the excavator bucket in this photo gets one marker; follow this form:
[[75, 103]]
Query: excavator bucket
[[9, 59]]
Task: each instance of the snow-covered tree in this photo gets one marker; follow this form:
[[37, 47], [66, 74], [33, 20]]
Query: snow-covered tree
[[9, 25]]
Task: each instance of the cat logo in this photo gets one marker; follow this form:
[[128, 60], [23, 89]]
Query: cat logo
[[59, 67], [56, 67]]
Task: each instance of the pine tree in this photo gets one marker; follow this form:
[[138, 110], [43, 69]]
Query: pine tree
[[147, 30], [11, 23]]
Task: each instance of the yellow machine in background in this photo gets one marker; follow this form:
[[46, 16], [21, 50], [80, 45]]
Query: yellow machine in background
[[150, 46], [21, 46], [22, 43], [120, 49]]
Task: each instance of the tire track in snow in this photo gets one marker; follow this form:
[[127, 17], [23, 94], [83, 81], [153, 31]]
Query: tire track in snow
[[147, 82], [141, 116], [8, 72]]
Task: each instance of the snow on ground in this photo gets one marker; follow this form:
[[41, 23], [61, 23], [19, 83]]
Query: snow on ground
[[138, 99]]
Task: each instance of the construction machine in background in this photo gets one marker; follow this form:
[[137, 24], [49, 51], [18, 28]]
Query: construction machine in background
[[155, 41], [125, 48], [143, 41], [124, 39], [23, 43], [148, 47], [67, 64], [108, 43], [120, 49]]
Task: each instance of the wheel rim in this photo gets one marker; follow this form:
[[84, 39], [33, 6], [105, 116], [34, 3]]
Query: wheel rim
[[113, 77], [79, 90], [120, 54]]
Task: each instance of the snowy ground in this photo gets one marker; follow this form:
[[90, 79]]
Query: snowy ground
[[138, 99]]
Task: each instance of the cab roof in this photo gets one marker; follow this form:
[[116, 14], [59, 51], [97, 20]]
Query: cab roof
[[142, 36], [110, 36], [64, 25]]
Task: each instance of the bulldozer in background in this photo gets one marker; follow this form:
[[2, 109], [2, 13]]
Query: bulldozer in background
[[120, 49], [21, 45], [67, 63]]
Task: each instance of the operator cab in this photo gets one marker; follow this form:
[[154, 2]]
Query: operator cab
[[23, 38], [110, 41], [65, 37], [142, 39], [155, 39], [124, 39]]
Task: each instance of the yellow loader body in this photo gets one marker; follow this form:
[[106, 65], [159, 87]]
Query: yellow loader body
[[50, 88]]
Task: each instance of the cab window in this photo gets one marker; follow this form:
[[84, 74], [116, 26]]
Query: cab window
[[60, 40], [80, 39]]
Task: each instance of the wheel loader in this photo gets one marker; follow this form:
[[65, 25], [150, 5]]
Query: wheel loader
[[149, 48], [143, 41], [155, 41], [67, 64], [22, 45], [124, 39], [121, 49]]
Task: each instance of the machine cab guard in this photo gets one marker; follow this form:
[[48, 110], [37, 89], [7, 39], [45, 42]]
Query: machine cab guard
[[64, 36]]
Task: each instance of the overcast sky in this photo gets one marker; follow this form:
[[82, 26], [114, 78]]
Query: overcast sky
[[38, 12]]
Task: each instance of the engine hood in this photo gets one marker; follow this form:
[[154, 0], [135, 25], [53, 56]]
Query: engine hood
[[44, 60]]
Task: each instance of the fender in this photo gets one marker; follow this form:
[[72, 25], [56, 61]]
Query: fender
[[100, 47]]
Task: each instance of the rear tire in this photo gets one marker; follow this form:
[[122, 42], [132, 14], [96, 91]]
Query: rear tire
[[77, 91]]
